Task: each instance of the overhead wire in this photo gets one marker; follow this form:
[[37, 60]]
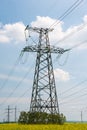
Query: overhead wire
[[73, 87], [65, 61], [73, 47], [77, 85], [81, 81], [74, 98], [74, 93], [79, 44], [71, 8], [71, 33], [21, 55], [13, 91], [57, 22], [67, 12], [16, 87], [23, 94], [10, 73]]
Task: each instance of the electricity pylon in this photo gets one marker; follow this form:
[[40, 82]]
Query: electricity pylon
[[44, 95]]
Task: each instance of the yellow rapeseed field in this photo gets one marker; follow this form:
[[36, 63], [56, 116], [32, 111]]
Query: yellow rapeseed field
[[67, 126]]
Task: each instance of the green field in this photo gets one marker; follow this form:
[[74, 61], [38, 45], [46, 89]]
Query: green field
[[67, 126]]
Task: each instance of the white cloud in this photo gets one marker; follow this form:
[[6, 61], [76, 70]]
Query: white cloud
[[46, 22], [12, 33], [74, 34], [85, 18], [61, 75], [4, 39], [13, 78], [22, 100]]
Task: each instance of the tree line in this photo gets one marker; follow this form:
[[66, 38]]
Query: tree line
[[41, 118]]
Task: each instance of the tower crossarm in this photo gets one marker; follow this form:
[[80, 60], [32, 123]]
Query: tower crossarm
[[44, 49], [38, 30]]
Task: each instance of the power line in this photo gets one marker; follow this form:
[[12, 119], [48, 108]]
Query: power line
[[67, 12], [64, 92], [23, 94], [73, 32], [73, 99], [83, 42], [66, 58], [76, 92], [79, 44], [10, 73], [73, 47], [25, 90], [78, 29], [17, 86], [18, 99], [73, 94], [73, 87]]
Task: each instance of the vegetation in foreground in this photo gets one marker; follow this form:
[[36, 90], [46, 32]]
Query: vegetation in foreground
[[66, 126], [41, 118]]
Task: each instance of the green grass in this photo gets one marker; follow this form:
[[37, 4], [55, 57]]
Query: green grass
[[67, 126]]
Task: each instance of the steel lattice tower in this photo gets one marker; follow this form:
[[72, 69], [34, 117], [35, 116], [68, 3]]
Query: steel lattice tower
[[44, 95]]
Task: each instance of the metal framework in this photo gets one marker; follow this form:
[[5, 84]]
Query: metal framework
[[44, 95]]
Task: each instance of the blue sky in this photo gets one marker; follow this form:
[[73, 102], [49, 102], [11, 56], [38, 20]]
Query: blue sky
[[70, 78]]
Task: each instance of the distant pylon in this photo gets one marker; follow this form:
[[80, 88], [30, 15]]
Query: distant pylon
[[44, 96]]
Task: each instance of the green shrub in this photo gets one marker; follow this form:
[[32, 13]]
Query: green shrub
[[41, 118]]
